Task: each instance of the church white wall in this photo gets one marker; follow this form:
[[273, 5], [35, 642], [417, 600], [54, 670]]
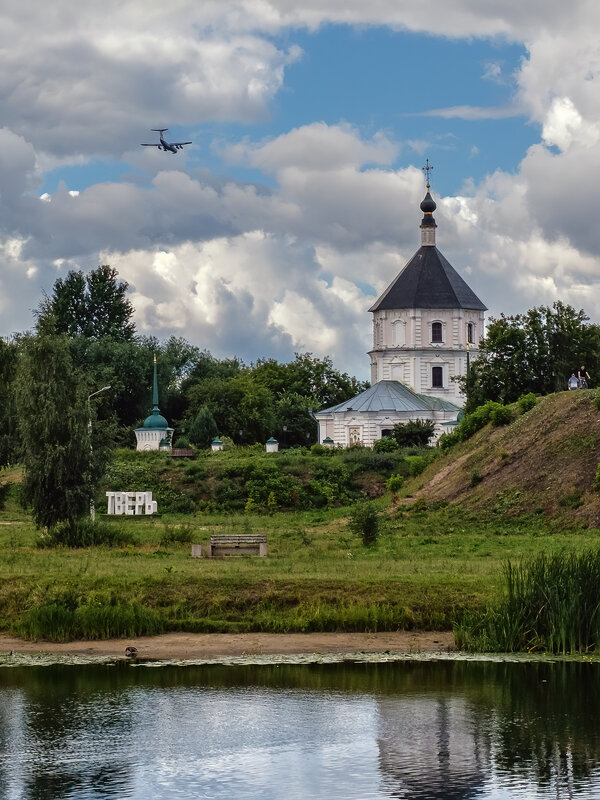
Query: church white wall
[[150, 438], [405, 347], [347, 427]]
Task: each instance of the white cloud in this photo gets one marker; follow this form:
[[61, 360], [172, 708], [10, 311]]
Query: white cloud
[[252, 270]]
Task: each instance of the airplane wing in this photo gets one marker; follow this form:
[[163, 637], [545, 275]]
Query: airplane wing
[[180, 144], [155, 144]]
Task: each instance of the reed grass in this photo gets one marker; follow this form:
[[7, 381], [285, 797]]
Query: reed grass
[[551, 603]]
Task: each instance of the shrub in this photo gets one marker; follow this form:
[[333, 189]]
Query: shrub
[[183, 534], [365, 522], [501, 415], [385, 445], [526, 402], [448, 440], [475, 477], [415, 432], [4, 493], [85, 533], [182, 442], [416, 465], [394, 483]]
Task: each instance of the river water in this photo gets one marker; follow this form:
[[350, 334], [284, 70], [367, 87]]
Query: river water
[[449, 729]]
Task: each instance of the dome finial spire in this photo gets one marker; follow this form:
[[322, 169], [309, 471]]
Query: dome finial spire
[[428, 206], [427, 169]]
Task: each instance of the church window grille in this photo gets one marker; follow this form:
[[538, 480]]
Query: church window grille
[[437, 377], [437, 333], [470, 333]]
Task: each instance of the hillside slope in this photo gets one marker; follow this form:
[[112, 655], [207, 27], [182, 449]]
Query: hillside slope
[[544, 462]]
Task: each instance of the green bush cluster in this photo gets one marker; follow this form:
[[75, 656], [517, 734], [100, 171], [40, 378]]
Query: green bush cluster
[[490, 411], [246, 477], [4, 493], [85, 533], [526, 402], [365, 522]]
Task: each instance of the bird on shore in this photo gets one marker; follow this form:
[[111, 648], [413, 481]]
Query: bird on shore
[[131, 652]]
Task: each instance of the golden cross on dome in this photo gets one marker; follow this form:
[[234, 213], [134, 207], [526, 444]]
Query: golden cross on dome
[[427, 169]]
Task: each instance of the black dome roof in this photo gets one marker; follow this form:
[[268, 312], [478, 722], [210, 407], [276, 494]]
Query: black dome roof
[[428, 205]]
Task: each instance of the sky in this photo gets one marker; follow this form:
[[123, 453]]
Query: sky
[[298, 201]]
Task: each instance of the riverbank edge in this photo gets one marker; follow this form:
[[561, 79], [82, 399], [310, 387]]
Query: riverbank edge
[[220, 647]]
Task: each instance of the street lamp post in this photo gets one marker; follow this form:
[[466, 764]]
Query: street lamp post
[[93, 394]]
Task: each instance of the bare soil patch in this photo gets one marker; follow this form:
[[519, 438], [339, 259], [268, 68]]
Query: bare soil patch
[[213, 646]]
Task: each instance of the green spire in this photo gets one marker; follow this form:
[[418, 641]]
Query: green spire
[[155, 409]]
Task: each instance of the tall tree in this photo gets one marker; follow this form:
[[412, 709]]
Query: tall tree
[[61, 469], [532, 352], [203, 428], [93, 305], [9, 437]]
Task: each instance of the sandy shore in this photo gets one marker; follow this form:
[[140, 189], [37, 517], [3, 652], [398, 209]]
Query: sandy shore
[[213, 646]]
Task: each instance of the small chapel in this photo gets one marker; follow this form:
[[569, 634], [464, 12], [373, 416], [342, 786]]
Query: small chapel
[[155, 433], [427, 326]]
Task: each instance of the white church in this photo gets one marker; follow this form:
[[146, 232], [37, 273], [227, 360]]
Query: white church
[[426, 326]]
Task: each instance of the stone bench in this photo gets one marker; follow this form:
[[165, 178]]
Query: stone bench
[[183, 452], [243, 544]]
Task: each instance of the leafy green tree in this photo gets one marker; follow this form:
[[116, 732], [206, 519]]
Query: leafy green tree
[[9, 437], [241, 407], [203, 428], [293, 411], [533, 352], [93, 305], [61, 469], [309, 376]]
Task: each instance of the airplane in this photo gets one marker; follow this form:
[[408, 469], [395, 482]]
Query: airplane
[[173, 147]]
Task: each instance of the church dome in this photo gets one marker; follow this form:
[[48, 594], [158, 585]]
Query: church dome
[[428, 205], [155, 420]]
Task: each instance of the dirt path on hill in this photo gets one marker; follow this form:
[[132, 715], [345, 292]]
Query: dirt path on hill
[[214, 646]]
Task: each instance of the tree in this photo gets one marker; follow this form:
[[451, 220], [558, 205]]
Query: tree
[[9, 437], [292, 410], [311, 377], [203, 428], [533, 352], [92, 305], [61, 470]]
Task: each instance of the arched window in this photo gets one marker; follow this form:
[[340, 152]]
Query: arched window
[[437, 332], [437, 377], [470, 333]]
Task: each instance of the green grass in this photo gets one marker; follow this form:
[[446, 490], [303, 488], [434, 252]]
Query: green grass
[[426, 570], [551, 603]]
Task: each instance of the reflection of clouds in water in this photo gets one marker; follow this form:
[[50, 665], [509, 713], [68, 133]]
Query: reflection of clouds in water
[[455, 731], [256, 743]]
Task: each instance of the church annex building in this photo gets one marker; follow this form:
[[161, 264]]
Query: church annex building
[[426, 326]]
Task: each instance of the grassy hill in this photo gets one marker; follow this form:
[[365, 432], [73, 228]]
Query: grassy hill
[[544, 462]]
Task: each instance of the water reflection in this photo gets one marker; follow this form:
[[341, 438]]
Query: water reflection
[[403, 730]]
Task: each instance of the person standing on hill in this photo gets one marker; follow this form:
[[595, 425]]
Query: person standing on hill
[[573, 382], [583, 377]]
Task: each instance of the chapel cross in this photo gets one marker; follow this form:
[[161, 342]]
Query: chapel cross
[[427, 169]]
